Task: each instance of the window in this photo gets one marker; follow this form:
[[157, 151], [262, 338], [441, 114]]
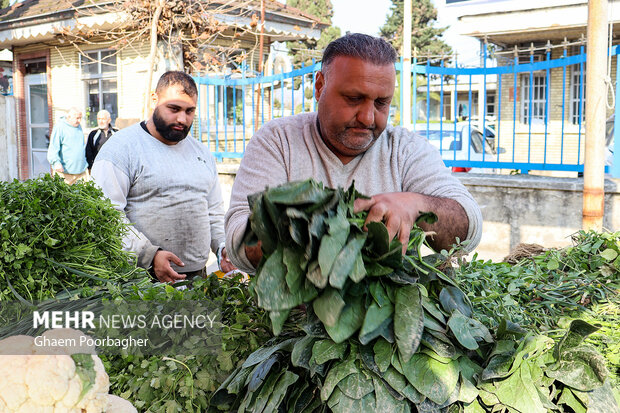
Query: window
[[577, 95], [99, 75], [490, 104], [538, 94]]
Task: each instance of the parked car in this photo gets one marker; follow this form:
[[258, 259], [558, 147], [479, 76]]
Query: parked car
[[452, 145]]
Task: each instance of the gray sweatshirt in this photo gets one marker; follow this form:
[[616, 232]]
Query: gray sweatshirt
[[170, 193], [291, 149]]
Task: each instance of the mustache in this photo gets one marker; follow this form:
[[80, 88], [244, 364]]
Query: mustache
[[360, 126]]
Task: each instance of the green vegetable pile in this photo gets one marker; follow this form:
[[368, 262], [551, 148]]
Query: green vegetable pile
[[383, 332], [55, 237], [549, 290], [186, 383]]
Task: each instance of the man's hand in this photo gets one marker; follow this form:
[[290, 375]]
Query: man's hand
[[162, 269], [399, 211], [58, 168], [254, 254], [225, 264]]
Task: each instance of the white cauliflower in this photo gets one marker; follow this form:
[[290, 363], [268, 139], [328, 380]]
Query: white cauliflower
[[37, 380]]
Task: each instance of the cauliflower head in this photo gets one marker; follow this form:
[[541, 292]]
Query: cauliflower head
[[50, 383]]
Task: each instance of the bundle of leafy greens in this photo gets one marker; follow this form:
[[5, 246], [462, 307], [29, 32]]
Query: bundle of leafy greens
[[386, 332], [185, 383], [549, 290], [55, 238]]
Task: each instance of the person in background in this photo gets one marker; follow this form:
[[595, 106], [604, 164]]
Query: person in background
[[348, 139], [97, 137], [67, 150], [166, 185]]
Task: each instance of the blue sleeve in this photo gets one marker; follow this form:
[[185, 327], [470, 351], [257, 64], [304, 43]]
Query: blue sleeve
[[53, 151]]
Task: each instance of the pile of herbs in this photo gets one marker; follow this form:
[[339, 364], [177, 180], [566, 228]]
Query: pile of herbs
[[55, 237], [186, 383], [387, 332], [549, 290]]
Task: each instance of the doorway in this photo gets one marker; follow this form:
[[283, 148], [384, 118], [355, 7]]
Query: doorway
[[37, 120]]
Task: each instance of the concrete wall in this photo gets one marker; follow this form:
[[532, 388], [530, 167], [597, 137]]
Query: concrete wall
[[516, 209], [8, 139]]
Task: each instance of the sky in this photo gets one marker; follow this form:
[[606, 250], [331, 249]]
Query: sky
[[367, 16]]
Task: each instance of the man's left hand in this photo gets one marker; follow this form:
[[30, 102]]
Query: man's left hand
[[225, 264], [398, 210]]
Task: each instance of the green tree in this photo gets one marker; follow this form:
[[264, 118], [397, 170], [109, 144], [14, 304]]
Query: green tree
[[5, 3], [303, 51], [424, 37]]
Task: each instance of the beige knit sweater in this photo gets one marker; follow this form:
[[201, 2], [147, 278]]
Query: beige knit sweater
[[291, 149]]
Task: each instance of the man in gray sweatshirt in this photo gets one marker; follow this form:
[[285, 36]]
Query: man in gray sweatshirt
[[348, 139], [166, 185]]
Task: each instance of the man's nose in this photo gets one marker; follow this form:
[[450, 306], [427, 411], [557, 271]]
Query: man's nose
[[182, 117], [366, 114]]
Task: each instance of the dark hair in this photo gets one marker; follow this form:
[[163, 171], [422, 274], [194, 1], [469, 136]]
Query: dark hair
[[177, 78], [362, 46]]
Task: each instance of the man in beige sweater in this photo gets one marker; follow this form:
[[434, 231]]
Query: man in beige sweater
[[348, 139]]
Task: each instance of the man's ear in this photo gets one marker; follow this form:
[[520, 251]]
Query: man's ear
[[319, 83], [154, 100]]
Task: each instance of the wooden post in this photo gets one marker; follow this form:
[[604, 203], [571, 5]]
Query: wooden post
[[594, 161]]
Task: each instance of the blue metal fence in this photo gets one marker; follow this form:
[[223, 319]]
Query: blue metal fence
[[537, 122]]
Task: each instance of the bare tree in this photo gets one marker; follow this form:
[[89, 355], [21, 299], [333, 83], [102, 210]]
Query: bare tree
[[205, 33]]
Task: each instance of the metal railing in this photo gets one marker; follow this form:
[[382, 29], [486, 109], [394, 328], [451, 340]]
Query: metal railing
[[537, 124]]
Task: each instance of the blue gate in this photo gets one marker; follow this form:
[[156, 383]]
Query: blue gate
[[535, 122]]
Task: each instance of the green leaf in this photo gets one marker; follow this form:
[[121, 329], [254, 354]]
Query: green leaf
[[85, 369], [336, 374], [519, 391], [442, 347], [568, 398], [331, 245], [378, 238], [341, 403], [294, 274], [553, 264], [350, 320], [609, 254], [581, 368], [264, 353], [325, 350], [262, 226], [271, 288], [467, 391], [279, 391], [466, 330], [577, 331], [600, 400], [452, 298], [358, 272], [383, 354], [356, 385], [386, 402], [432, 378], [378, 293], [302, 351], [346, 260], [316, 276], [375, 316], [408, 320], [278, 318], [328, 306], [299, 193]]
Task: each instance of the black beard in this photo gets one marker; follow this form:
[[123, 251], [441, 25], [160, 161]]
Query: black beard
[[166, 131]]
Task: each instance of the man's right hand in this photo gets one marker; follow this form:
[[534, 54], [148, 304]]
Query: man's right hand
[[58, 168], [162, 269]]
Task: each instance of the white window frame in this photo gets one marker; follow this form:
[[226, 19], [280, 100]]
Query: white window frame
[[539, 97], [100, 77], [574, 95]]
